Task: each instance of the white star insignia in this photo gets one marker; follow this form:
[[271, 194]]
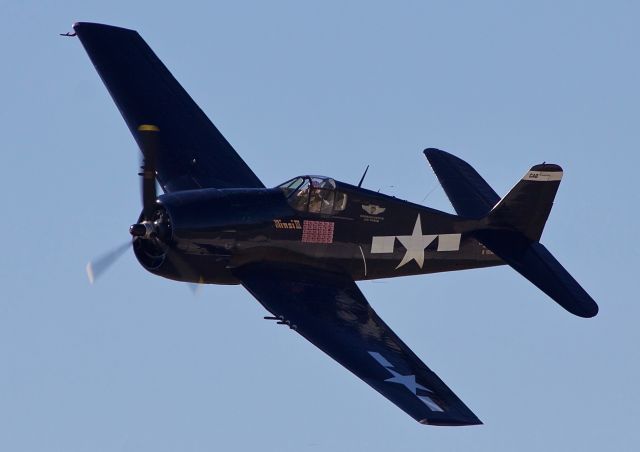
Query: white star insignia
[[406, 380], [409, 382], [415, 245]]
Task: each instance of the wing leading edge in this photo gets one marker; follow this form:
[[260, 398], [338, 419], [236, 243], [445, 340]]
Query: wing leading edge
[[332, 313], [193, 153]]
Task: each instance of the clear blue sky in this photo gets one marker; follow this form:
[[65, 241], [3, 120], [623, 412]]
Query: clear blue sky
[[137, 363]]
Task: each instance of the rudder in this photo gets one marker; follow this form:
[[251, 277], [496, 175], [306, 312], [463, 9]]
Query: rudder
[[527, 206]]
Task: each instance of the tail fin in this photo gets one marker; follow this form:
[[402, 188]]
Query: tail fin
[[527, 206], [511, 227]]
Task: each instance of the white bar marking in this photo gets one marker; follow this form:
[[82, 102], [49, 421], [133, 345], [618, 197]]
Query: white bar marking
[[383, 244], [381, 359], [449, 242], [433, 406], [542, 176]]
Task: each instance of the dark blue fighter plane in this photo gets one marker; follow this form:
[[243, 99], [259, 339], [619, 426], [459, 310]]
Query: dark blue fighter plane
[[298, 248]]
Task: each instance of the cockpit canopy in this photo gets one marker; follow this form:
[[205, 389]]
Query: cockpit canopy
[[314, 194]]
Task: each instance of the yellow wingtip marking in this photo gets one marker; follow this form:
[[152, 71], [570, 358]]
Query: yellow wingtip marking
[[148, 128]]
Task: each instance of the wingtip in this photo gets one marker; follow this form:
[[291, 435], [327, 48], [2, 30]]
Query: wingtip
[[451, 422], [82, 26]]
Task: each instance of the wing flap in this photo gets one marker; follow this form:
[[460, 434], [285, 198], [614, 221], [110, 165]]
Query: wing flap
[[332, 313]]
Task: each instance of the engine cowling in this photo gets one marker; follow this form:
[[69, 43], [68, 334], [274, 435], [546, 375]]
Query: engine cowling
[[152, 238]]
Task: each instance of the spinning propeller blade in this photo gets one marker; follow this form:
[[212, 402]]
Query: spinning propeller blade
[[147, 229], [97, 267], [184, 270]]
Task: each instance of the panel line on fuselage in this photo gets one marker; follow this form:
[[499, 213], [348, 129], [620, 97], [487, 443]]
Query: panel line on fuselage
[[364, 260]]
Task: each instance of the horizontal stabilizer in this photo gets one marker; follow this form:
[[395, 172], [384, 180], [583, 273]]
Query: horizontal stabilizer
[[533, 261], [468, 192]]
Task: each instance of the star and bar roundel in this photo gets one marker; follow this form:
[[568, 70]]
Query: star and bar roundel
[[414, 244]]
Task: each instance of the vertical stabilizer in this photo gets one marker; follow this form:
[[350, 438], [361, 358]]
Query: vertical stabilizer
[[527, 206]]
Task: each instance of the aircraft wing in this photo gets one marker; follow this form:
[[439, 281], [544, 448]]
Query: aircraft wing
[[193, 153], [332, 313]]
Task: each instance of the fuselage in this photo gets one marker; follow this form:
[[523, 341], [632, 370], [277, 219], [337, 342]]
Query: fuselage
[[311, 221]]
